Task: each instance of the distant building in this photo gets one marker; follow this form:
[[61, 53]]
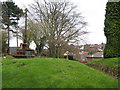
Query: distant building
[[90, 52], [97, 55], [93, 48]]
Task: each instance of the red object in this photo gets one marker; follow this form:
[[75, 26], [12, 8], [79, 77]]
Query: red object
[[20, 55], [21, 51], [24, 52], [84, 61]]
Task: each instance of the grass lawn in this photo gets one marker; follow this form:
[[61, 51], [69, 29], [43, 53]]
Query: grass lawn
[[0, 73], [52, 73]]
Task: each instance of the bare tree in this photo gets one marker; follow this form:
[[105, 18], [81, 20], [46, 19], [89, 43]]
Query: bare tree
[[60, 23], [37, 35]]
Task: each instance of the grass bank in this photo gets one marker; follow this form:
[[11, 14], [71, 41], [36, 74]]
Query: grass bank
[[52, 73], [110, 66]]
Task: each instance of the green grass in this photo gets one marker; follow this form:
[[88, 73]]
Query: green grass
[[0, 73], [110, 66], [109, 62], [52, 73]]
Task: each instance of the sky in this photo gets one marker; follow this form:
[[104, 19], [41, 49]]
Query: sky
[[93, 12]]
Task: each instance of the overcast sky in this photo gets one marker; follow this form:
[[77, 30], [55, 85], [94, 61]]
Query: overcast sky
[[94, 13]]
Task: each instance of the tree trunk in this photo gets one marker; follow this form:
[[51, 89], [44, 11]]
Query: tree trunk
[[8, 39]]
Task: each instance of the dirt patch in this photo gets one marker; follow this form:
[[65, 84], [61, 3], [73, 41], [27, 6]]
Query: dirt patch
[[13, 62], [21, 64]]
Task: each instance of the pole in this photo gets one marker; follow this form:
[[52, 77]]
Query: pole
[[25, 33], [25, 37]]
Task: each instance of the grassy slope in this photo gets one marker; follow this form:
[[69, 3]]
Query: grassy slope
[[109, 62], [110, 66], [52, 73]]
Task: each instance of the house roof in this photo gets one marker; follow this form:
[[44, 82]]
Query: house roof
[[98, 54]]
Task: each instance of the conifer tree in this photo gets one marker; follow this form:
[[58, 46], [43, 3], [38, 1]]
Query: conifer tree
[[11, 13], [112, 30]]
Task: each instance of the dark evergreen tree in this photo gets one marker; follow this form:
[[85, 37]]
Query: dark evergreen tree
[[11, 13], [112, 30]]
